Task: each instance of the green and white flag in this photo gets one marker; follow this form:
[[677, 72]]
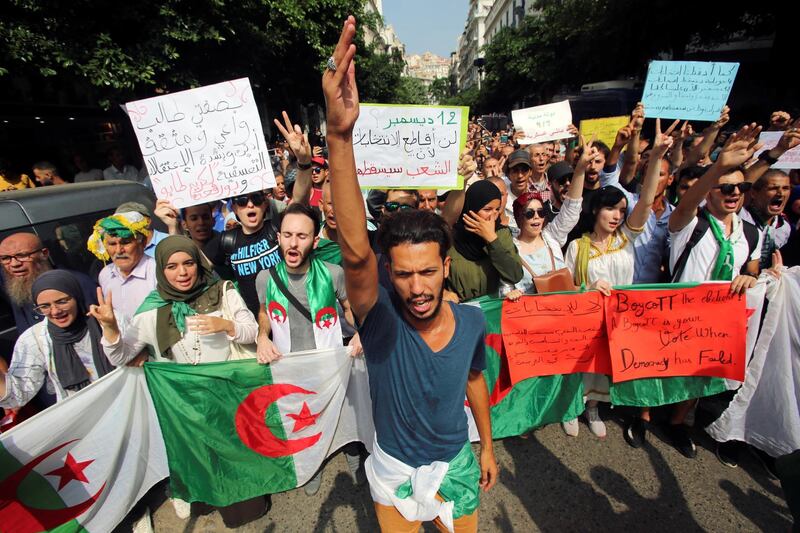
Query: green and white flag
[[82, 464], [237, 430]]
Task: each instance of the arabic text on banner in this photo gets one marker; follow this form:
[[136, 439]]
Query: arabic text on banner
[[692, 90], [789, 160], [203, 144], [543, 123], [409, 147], [605, 128]]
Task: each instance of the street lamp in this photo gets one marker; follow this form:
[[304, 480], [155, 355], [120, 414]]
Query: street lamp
[[480, 63]]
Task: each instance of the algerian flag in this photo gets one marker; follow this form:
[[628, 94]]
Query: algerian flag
[[529, 404], [83, 463], [237, 430]]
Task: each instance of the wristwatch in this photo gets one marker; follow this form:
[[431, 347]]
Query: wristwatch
[[764, 156], [303, 166]]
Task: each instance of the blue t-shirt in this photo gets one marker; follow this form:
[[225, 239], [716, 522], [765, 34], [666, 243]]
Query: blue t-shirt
[[417, 394]]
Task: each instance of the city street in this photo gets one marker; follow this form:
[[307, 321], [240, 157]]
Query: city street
[[550, 482]]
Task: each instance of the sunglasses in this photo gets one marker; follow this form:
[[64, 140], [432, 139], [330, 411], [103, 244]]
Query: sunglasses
[[316, 170], [256, 199], [391, 207], [563, 180], [530, 213], [728, 188]]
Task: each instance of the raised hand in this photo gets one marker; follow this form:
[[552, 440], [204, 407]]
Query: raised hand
[[588, 152], [779, 120], [573, 130], [724, 117], [339, 87], [623, 136], [663, 141], [168, 214], [103, 311], [790, 137], [637, 116], [740, 147], [298, 141], [466, 165]]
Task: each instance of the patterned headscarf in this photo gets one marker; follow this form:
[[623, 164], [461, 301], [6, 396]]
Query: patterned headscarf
[[123, 225]]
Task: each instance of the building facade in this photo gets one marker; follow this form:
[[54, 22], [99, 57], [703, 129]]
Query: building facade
[[471, 42]]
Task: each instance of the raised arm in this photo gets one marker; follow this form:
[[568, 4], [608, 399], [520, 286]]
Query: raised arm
[[663, 142], [298, 144], [739, 148], [703, 148], [628, 170], [341, 100], [455, 199], [789, 140]]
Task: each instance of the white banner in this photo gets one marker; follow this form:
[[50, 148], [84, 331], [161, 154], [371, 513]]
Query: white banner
[[543, 123]]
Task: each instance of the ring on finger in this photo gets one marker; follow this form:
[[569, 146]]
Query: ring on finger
[[331, 64]]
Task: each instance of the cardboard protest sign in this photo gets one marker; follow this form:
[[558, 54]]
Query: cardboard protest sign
[[545, 335], [697, 331], [604, 128], [409, 147], [203, 144], [543, 123], [692, 90], [789, 160]]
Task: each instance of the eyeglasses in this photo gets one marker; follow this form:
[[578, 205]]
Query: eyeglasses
[[22, 257], [391, 207], [316, 170], [728, 188], [530, 213], [256, 199], [62, 304]]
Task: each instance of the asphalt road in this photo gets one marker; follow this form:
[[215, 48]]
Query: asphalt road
[[550, 482]]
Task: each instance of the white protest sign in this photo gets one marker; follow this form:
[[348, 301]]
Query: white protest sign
[[203, 144], [543, 123], [409, 147], [788, 160]]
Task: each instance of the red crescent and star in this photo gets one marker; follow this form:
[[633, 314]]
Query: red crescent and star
[[19, 517], [255, 434], [329, 314]]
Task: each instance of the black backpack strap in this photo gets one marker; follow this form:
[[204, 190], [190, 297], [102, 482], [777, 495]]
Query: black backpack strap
[[699, 230], [289, 296], [227, 241], [752, 235]]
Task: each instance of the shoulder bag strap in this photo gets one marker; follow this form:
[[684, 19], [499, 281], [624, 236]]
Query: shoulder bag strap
[[289, 296]]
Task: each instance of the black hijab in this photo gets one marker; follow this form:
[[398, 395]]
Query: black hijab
[[71, 373], [468, 244]]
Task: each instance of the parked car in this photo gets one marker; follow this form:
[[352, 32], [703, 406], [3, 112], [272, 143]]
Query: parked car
[[63, 217]]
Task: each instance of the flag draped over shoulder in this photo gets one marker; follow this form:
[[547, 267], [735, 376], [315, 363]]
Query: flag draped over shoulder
[[236, 430], [766, 411], [82, 464], [530, 403]]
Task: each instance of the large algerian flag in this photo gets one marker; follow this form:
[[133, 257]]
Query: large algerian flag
[[83, 464], [237, 430], [530, 403]]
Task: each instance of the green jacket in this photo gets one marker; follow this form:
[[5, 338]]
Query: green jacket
[[472, 279]]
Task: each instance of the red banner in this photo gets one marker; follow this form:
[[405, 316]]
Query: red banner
[[698, 331], [553, 334]]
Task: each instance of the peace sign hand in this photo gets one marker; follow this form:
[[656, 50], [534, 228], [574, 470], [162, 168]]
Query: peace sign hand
[[298, 141], [103, 312], [664, 140]]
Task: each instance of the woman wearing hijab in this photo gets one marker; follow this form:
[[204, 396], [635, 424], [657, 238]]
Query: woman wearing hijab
[[190, 318], [65, 348], [483, 253]]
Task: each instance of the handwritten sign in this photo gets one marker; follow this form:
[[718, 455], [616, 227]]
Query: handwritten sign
[[203, 144], [604, 128], [409, 147], [553, 334], [699, 331], [693, 90], [789, 160], [543, 123]]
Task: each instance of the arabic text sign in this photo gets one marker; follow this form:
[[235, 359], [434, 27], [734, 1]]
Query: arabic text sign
[[543, 123], [699, 331], [605, 128], [553, 334], [409, 147], [203, 144], [693, 90], [790, 159]]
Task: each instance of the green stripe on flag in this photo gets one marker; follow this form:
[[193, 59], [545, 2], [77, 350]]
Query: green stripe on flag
[[35, 491], [197, 410], [653, 392]]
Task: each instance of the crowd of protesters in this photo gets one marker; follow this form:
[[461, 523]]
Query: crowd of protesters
[[664, 203]]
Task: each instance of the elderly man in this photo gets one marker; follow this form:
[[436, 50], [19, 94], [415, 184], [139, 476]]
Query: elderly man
[[131, 275], [24, 257]]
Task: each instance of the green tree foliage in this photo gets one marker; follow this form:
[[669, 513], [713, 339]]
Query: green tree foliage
[[378, 75], [571, 42], [119, 50], [410, 91], [439, 89]]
